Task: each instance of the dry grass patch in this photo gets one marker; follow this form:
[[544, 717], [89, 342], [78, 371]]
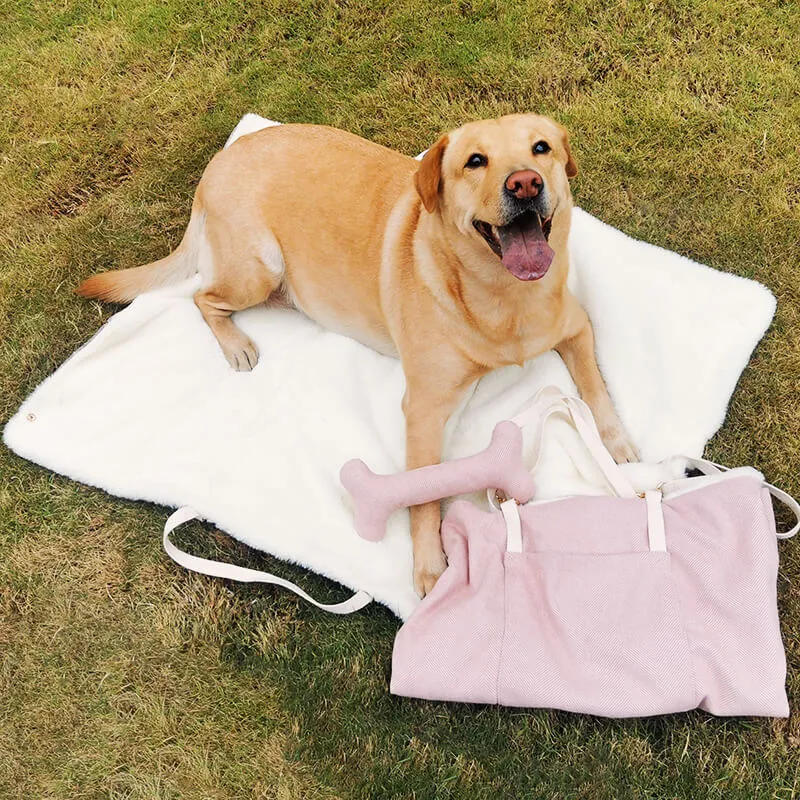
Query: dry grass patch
[[118, 685]]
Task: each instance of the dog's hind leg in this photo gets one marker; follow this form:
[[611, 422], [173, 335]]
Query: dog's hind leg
[[240, 271]]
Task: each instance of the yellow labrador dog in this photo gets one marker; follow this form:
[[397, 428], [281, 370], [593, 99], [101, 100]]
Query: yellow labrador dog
[[456, 264]]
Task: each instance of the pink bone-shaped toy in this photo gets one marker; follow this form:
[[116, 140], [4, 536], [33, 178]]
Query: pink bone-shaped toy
[[376, 497]]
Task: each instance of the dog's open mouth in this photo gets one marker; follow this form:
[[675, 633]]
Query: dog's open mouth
[[521, 244]]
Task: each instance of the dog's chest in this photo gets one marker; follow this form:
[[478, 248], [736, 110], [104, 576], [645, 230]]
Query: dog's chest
[[513, 338]]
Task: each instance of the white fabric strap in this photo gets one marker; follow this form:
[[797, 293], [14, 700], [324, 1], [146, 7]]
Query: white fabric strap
[[656, 535], [550, 401], [219, 569], [712, 468], [793, 506], [513, 526]]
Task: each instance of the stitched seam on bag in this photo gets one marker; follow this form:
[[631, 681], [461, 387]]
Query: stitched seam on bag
[[504, 556], [772, 526], [709, 481], [668, 495], [682, 620]]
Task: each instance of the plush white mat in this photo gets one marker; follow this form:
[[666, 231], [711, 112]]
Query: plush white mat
[[149, 409]]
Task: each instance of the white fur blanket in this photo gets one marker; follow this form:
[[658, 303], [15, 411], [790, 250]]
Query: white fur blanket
[[149, 408]]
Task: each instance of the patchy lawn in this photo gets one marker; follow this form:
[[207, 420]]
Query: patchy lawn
[[123, 677]]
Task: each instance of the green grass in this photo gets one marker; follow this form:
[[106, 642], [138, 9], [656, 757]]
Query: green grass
[[123, 677]]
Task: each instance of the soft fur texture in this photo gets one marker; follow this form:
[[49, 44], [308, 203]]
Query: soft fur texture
[[123, 412], [457, 264]]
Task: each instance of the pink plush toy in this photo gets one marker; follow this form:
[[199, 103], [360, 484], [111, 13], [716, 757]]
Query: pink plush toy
[[376, 497]]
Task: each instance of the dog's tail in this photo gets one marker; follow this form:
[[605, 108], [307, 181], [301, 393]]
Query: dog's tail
[[123, 285]]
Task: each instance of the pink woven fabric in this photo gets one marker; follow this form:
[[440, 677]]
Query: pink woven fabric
[[375, 497], [587, 619]]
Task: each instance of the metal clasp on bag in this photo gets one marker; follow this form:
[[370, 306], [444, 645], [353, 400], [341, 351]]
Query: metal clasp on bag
[[659, 488], [501, 497]]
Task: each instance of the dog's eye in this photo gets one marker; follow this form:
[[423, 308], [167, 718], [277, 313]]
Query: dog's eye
[[541, 147], [476, 160]]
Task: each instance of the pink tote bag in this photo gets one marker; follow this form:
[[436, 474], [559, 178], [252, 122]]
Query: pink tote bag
[[619, 606]]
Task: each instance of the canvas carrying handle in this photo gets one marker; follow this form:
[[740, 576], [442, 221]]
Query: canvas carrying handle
[[219, 569], [550, 402], [656, 530], [712, 468]]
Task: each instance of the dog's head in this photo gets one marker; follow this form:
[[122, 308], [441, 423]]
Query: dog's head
[[502, 182]]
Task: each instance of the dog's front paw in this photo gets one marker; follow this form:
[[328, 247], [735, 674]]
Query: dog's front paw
[[618, 443], [242, 353], [428, 569]]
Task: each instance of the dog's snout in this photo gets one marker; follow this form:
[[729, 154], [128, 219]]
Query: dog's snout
[[524, 184]]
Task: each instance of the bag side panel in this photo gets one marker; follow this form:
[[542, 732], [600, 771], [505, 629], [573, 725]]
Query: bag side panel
[[449, 649], [725, 567]]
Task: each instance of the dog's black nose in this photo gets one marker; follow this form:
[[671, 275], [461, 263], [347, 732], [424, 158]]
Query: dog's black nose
[[524, 184]]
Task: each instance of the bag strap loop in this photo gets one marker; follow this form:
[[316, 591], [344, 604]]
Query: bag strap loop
[[656, 532], [219, 569], [513, 526], [712, 468], [551, 401], [791, 504]]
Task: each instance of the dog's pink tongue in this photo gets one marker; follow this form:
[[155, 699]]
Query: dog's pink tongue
[[526, 253]]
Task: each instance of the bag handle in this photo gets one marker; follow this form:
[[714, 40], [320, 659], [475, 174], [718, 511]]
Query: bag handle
[[712, 468], [219, 569], [551, 401], [791, 504], [656, 532]]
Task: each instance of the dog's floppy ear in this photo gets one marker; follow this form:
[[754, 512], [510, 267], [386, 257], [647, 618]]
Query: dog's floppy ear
[[429, 175], [572, 167]]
